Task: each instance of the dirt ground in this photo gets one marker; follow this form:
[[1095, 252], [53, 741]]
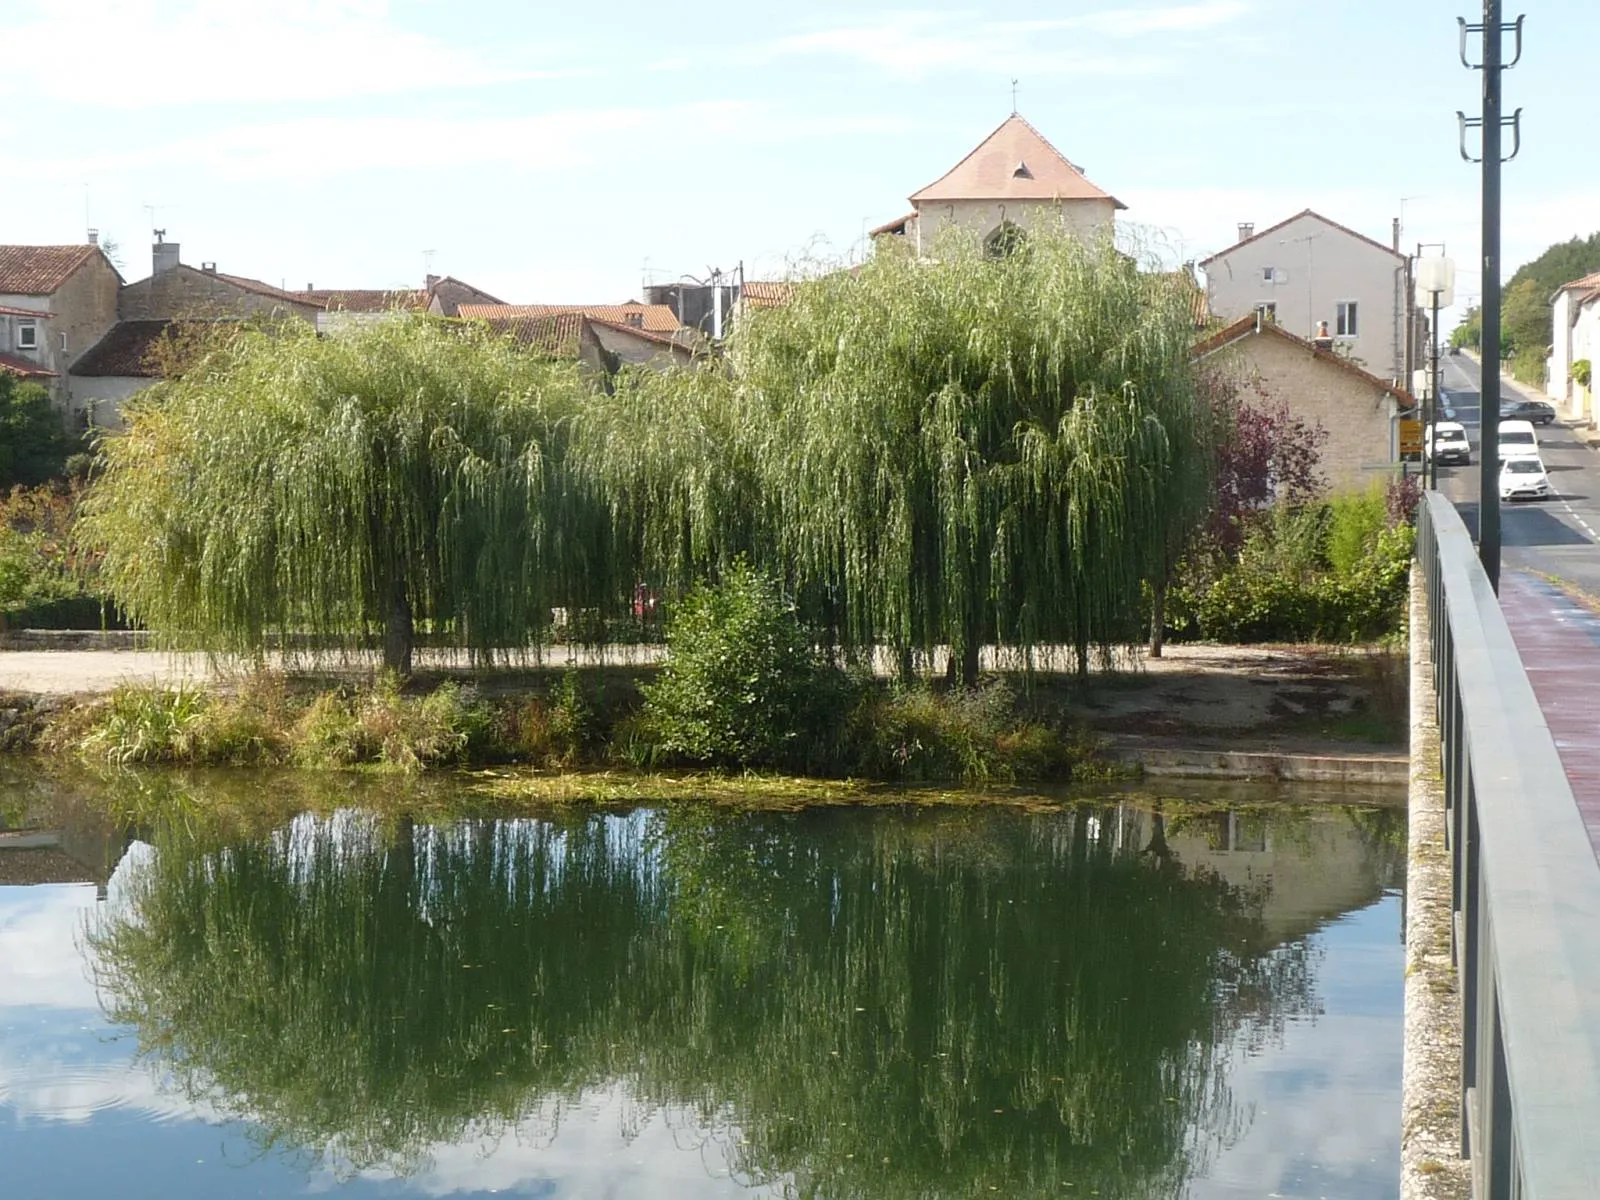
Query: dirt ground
[[1294, 699]]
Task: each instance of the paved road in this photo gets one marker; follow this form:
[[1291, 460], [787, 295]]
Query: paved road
[[1559, 537]]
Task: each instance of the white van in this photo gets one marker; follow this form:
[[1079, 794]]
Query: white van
[[1517, 440], [1447, 443]]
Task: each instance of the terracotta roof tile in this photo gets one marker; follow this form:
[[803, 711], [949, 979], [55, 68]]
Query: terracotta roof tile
[[1305, 212], [28, 369], [245, 283], [684, 339], [759, 293], [559, 335], [365, 299], [1247, 325], [124, 352], [1015, 162], [898, 225], [40, 270], [658, 318], [22, 312]]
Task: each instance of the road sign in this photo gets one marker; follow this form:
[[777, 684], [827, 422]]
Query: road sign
[[1410, 438]]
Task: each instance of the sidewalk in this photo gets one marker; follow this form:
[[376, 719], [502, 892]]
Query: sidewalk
[[1513, 387]]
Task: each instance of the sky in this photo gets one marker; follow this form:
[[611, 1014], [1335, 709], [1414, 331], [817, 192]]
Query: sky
[[565, 153]]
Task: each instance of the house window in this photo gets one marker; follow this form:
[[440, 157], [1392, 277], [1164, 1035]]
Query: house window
[[1267, 310], [1345, 319], [27, 335], [1269, 274]]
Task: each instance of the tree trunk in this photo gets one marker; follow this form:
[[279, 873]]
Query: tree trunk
[[908, 666], [969, 662], [399, 634], [1158, 619]]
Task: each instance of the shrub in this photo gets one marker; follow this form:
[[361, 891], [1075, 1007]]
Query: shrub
[[1355, 519], [1582, 372], [742, 684], [140, 724]]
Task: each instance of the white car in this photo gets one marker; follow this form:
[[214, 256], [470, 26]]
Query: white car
[[1523, 479], [1517, 440], [1447, 443]]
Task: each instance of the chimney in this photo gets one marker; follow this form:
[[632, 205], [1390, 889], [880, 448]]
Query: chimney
[[209, 268], [94, 237], [429, 282], [311, 287], [1247, 230], [164, 255]]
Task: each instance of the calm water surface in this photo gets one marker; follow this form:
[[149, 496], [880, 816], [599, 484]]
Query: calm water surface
[[835, 1003]]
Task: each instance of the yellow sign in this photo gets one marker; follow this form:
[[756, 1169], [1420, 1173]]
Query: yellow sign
[[1410, 438]]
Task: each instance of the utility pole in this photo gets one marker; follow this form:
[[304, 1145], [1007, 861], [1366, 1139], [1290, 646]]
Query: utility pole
[[1491, 122]]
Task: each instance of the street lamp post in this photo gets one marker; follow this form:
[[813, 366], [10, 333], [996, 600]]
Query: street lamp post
[[1436, 287]]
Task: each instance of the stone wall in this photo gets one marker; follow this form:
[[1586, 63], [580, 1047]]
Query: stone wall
[[184, 292]]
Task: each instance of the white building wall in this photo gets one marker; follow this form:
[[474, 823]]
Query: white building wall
[[96, 400], [1558, 367], [1315, 266], [1586, 345], [1088, 219]]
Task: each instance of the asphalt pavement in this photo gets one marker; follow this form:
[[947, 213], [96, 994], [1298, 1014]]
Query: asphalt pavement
[[1558, 537]]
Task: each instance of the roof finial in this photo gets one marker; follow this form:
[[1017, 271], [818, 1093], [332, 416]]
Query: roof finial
[[1014, 96]]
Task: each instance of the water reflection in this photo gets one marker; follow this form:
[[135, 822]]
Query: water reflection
[[842, 1004]]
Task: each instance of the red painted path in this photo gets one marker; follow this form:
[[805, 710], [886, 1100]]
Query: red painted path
[[1559, 640]]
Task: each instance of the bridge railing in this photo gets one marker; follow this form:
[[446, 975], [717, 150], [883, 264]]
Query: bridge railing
[[1526, 893]]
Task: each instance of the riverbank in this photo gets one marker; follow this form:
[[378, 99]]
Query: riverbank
[[1260, 712]]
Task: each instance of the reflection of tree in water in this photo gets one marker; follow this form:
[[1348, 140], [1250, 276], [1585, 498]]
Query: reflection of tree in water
[[876, 1004]]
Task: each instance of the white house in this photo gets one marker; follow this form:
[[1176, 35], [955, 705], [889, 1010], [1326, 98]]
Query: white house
[[1013, 181], [1315, 277], [1575, 338]]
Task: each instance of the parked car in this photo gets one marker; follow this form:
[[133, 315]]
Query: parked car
[[1448, 444], [1536, 411], [1517, 440], [1523, 479]]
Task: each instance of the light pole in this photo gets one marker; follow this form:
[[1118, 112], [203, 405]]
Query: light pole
[[1436, 286]]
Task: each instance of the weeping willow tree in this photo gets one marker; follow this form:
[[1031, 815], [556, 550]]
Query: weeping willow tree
[[864, 1005], [402, 476], [958, 451]]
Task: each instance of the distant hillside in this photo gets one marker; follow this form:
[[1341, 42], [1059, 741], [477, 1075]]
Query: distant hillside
[[1525, 307]]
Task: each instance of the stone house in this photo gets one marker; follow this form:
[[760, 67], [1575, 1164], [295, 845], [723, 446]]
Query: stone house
[[1309, 274], [55, 303], [1012, 181], [1323, 387], [176, 294], [1575, 338]]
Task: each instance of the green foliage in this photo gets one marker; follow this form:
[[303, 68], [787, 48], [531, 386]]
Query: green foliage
[[403, 475], [1582, 372], [38, 571], [34, 443], [872, 1003], [1355, 522], [1254, 603], [742, 684], [1468, 335], [146, 725], [1525, 331], [950, 451]]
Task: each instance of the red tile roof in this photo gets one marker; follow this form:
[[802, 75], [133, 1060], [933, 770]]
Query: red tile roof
[[1588, 288], [22, 312], [244, 283], [1306, 212], [759, 293], [40, 270], [1015, 162], [559, 335], [898, 225], [685, 339], [658, 318], [125, 351], [1248, 325], [28, 369], [365, 299]]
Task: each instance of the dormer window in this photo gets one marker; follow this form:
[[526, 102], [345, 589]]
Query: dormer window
[[635, 319], [1021, 171], [27, 335]]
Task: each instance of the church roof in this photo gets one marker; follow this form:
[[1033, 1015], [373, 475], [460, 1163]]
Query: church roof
[[1015, 162]]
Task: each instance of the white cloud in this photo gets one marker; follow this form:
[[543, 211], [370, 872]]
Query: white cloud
[[148, 53], [912, 44]]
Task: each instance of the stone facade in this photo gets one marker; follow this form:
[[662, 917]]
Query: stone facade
[[1356, 410], [182, 292], [72, 317]]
